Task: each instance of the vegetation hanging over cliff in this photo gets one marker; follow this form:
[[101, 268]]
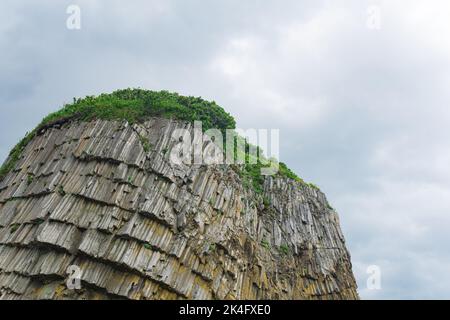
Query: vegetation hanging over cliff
[[137, 105]]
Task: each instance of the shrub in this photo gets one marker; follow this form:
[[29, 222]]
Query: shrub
[[137, 105], [265, 244], [312, 185], [14, 228], [284, 249], [133, 105], [145, 143], [30, 179]]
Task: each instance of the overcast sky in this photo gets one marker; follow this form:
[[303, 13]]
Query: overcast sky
[[362, 103]]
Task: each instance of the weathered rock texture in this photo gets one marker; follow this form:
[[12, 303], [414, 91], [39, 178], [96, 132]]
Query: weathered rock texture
[[88, 194]]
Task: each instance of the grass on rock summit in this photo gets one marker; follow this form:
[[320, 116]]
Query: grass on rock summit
[[137, 105]]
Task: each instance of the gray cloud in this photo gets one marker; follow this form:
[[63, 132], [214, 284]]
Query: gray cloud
[[363, 113]]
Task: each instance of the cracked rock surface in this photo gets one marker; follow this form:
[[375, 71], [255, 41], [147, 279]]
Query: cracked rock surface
[[91, 195]]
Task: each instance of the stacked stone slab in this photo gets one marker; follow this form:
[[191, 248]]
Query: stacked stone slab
[[91, 195]]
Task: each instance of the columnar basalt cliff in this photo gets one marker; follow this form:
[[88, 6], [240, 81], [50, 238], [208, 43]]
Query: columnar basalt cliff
[[103, 196]]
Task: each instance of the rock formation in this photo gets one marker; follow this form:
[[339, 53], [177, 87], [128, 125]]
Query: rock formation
[[90, 195]]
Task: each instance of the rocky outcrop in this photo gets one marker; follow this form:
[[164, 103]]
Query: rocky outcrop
[[91, 195]]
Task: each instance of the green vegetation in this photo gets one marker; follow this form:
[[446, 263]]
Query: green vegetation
[[284, 249], [14, 228], [61, 191], [147, 246], [252, 178], [266, 202], [312, 185], [251, 173], [15, 154], [133, 105], [38, 221], [30, 179], [137, 105], [265, 244], [284, 171], [145, 143]]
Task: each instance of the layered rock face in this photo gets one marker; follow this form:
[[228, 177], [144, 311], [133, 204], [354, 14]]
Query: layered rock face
[[93, 196]]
